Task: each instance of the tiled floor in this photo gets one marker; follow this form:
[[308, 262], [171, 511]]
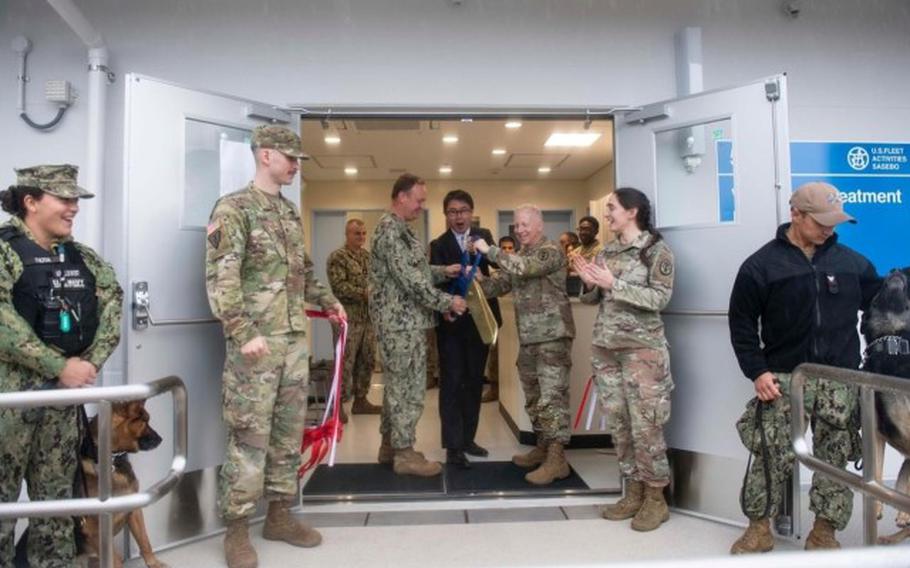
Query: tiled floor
[[562, 531]]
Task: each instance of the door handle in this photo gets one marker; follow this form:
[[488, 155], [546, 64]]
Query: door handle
[[142, 311]]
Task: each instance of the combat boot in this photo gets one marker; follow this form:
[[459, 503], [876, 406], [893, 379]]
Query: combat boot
[[553, 467], [363, 406], [533, 458], [757, 538], [238, 551], [628, 506], [386, 453], [653, 512], [280, 524], [409, 462], [821, 537]]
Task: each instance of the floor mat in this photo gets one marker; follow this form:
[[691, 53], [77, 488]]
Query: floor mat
[[503, 476], [364, 479], [484, 477]]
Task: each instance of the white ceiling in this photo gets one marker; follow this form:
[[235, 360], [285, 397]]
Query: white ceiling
[[382, 149]]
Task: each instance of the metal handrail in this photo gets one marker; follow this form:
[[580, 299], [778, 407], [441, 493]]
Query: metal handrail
[[868, 383], [104, 505]]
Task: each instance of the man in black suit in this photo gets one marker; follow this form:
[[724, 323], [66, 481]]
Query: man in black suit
[[462, 354]]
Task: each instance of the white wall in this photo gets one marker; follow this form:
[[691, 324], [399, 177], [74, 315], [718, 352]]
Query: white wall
[[847, 59]]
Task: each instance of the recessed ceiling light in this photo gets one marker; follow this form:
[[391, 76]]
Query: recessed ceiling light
[[544, 170], [350, 171], [332, 139], [499, 151], [450, 139], [575, 140], [445, 169], [513, 124]]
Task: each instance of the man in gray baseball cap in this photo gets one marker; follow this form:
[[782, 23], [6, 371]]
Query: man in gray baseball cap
[[794, 301], [278, 138]]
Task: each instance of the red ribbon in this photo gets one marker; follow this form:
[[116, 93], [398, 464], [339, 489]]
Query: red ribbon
[[584, 400], [321, 440]]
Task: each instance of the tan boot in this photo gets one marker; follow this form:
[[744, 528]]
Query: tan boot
[[628, 506], [409, 462], [533, 458], [757, 538], [553, 468], [364, 406], [386, 453], [238, 551], [280, 524], [821, 537], [653, 512]]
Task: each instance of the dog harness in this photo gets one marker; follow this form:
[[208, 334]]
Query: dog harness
[[890, 344]]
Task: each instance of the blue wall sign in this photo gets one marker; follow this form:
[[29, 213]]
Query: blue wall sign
[[874, 179]]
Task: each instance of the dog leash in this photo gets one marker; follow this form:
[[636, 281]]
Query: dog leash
[[322, 440], [766, 466]]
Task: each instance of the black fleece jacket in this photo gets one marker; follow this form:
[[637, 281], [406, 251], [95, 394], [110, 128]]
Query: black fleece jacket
[[805, 311]]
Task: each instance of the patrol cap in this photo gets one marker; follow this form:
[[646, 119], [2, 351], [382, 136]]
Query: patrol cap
[[822, 202], [278, 138], [59, 180]]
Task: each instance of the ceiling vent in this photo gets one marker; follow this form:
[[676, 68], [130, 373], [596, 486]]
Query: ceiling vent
[[385, 125], [333, 162], [535, 160]]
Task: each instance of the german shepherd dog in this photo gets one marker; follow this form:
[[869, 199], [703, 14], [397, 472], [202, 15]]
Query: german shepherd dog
[[886, 327], [130, 433]]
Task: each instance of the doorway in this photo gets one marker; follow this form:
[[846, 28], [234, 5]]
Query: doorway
[[503, 163]]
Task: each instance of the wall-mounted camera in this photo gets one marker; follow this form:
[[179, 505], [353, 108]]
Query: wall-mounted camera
[[791, 8]]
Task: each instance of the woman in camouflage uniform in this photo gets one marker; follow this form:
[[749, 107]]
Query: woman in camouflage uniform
[[60, 308], [632, 280]]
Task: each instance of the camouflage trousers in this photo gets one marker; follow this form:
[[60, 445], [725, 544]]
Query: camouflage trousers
[[359, 359], [634, 387], [40, 447], [404, 362], [830, 406], [264, 414], [543, 369]]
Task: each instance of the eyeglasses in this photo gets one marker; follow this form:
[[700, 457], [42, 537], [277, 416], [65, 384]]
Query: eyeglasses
[[457, 212]]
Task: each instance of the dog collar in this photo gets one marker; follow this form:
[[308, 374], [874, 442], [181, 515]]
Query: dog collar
[[890, 344]]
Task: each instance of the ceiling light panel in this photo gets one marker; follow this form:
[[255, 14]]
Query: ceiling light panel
[[450, 139], [512, 124], [499, 151], [445, 169], [572, 139]]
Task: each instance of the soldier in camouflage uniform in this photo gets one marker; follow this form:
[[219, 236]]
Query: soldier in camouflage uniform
[[402, 302], [632, 280], [258, 278], [536, 276], [51, 336], [348, 270], [794, 301]]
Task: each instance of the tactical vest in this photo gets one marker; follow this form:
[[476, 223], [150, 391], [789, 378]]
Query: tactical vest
[[55, 293]]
